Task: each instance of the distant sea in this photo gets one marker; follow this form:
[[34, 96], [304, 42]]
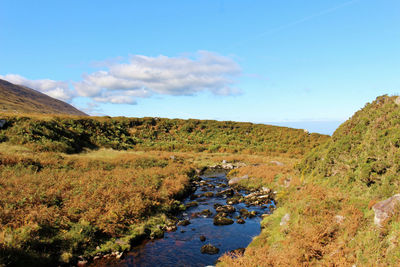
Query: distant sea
[[322, 127]]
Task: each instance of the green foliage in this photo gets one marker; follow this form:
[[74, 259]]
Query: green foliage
[[364, 149], [73, 135]]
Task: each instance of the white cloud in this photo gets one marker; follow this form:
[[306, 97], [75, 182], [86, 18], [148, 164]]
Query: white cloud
[[144, 76], [56, 89]]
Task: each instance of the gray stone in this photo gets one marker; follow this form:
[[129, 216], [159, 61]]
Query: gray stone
[[236, 180], [384, 209], [285, 219], [339, 219], [278, 163], [397, 100], [2, 123], [266, 190]]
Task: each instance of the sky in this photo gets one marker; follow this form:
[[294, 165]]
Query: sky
[[304, 64]]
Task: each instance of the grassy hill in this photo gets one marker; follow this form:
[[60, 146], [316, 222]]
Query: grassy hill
[[57, 203], [329, 202], [20, 99], [72, 135]]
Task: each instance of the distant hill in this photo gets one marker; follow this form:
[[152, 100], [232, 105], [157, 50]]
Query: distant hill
[[71, 135], [20, 99]]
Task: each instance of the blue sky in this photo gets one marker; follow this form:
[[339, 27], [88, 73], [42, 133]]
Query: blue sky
[[307, 64]]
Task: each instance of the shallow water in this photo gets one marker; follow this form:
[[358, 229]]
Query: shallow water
[[182, 247]]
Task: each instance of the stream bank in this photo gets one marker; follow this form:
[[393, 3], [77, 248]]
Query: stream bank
[[218, 219]]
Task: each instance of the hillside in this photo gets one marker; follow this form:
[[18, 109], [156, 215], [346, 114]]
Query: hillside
[[20, 99], [325, 216], [72, 135], [364, 149], [58, 204]]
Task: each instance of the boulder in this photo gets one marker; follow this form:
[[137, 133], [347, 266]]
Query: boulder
[[221, 220], [206, 212], [2, 123], [339, 219], [397, 100], [226, 209], [277, 163], [236, 180], [244, 213], [285, 219], [384, 209], [266, 190], [209, 249], [240, 221]]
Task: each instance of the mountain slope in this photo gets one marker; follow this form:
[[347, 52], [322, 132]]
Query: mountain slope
[[20, 99], [364, 149], [330, 202]]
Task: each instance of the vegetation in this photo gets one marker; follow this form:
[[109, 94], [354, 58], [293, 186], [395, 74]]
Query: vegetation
[[74, 134], [73, 186], [56, 206], [329, 199]]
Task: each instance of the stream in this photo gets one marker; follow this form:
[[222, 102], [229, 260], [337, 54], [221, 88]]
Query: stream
[[183, 246]]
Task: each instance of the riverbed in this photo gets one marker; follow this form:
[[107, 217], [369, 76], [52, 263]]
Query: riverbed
[[182, 247]]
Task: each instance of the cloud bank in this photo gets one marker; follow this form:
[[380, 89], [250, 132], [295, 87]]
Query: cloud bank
[[143, 76]]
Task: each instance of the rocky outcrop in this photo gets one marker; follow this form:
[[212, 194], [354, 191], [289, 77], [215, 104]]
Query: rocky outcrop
[[384, 209]]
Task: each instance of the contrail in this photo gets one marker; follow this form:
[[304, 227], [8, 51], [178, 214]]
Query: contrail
[[296, 22]]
